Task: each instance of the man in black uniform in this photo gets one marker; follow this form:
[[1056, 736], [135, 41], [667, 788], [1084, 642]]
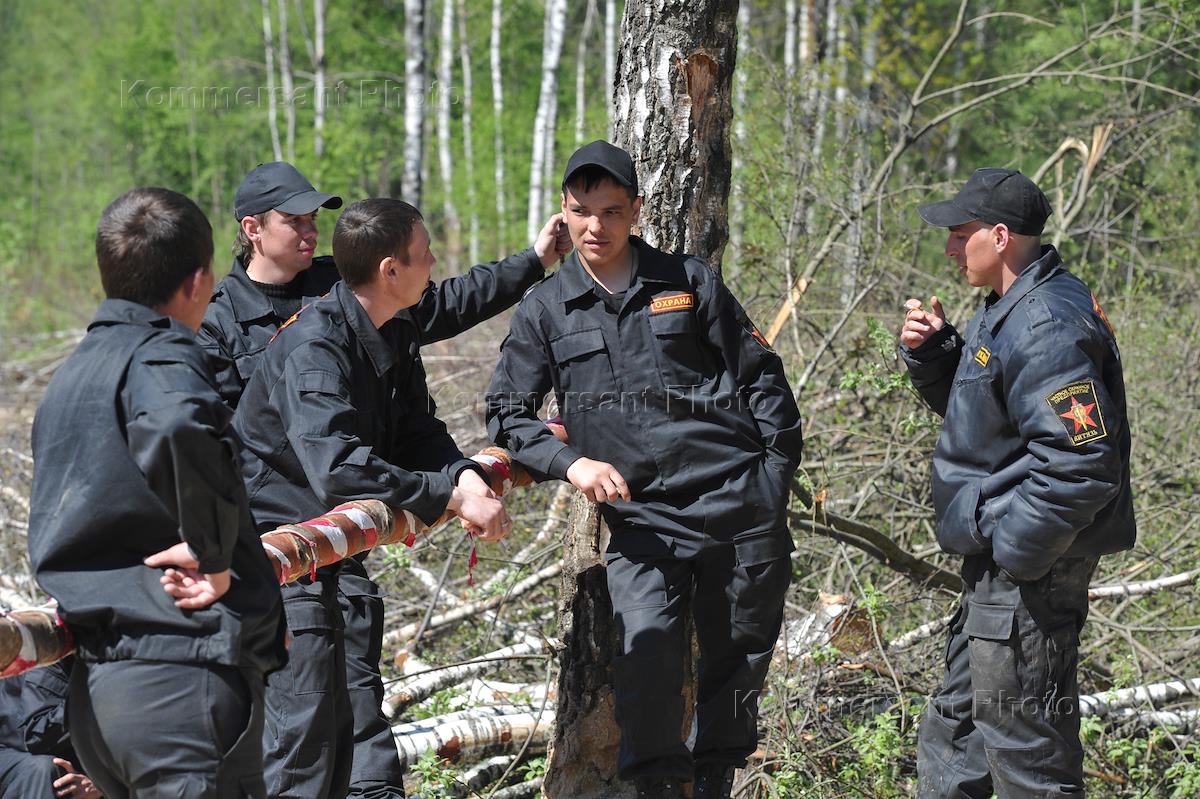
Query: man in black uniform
[[135, 470], [682, 423], [338, 409], [273, 275], [36, 757], [1030, 486]]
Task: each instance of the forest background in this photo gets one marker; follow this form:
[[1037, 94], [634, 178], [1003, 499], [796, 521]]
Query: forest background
[[848, 113]]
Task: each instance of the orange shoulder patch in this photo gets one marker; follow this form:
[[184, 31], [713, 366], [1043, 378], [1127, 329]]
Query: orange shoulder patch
[[672, 302]]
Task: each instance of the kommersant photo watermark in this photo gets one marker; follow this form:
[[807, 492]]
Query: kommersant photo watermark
[[374, 93]]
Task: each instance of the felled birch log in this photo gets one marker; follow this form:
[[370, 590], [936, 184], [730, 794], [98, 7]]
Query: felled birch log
[[490, 729], [32, 637], [406, 693], [1101, 705], [36, 637]]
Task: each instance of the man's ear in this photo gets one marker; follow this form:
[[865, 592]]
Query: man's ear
[[193, 286], [388, 269], [251, 228], [1001, 237]]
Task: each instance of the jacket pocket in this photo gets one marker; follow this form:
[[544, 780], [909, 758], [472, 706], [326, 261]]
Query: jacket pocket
[[958, 527], [583, 367], [681, 360]]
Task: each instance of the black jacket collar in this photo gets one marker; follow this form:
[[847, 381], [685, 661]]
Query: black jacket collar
[[1038, 272], [377, 348]]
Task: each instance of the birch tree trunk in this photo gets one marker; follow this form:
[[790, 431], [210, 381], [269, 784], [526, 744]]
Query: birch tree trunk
[[547, 113], [318, 60], [673, 114], [497, 127], [468, 131], [445, 79], [580, 64], [610, 58], [414, 100], [272, 109], [287, 81]]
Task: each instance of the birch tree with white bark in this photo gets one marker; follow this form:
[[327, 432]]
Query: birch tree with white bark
[[547, 113], [445, 93], [414, 100]]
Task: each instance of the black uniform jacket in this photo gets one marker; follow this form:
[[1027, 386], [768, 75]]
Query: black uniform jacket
[[678, 391], [239, 321], [1033, 459], [132, 453], [339, 410], [33, 708]]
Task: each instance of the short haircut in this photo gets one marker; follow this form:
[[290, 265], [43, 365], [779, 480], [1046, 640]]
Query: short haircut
[[243, 248], [590, 176], [369, 231], [148, 242]]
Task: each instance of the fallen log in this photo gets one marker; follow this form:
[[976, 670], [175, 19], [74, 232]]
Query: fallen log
[[483, 729], [1107, 703], [35, 637], [418, 688]]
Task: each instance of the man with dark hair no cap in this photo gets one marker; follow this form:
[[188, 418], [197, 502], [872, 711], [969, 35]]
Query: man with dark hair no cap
[[274, 275], [682, 424], [139, 527], [1030, 487]]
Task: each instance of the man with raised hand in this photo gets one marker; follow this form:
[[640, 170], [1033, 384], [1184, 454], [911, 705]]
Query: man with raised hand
[[275, 274], [338, 409], [1030, 487]]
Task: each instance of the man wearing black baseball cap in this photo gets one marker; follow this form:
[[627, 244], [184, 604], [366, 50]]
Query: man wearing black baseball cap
[[682, 424], [1030, 487], [326, 734]]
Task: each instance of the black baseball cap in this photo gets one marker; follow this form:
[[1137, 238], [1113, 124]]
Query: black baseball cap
[[609, 157], [279, 186], [995, 196]]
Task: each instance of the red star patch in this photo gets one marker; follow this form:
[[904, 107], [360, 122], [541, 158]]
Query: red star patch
[[1079, 409], [1080, 414]]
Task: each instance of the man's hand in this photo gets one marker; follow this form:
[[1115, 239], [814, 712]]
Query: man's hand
[[920, 324], [483, 516], [190, 588], [598, 480], [553, 242], [74, 784]]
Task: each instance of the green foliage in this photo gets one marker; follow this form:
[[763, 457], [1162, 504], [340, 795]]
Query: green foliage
[[532, 768], [434, 777], [874, 762], [439, 704]]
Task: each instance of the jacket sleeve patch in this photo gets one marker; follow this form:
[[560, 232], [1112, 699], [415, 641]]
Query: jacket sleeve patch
[[1078, 407]]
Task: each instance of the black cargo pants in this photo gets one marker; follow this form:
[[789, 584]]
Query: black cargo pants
[[377, 772], [738, 609], [308, 741], [1007, 717], [151, 730]]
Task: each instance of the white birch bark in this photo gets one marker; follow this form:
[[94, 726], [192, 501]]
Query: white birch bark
[[468, 133], [318, 60], [580, 62], [498, 127], [471, 730], [610, 58], [547, 111], [445, 78], [272, 109], [414, 100], [287, 82]]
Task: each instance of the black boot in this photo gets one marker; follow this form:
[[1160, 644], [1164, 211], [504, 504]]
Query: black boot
[[713, 781], [657, 788]]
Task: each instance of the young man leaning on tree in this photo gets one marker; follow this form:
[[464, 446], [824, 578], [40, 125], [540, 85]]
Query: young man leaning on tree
[[681, 422]]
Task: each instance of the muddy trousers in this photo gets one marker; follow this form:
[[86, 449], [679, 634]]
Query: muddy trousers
[[738, 609], [152, 730], [1007, 716]]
